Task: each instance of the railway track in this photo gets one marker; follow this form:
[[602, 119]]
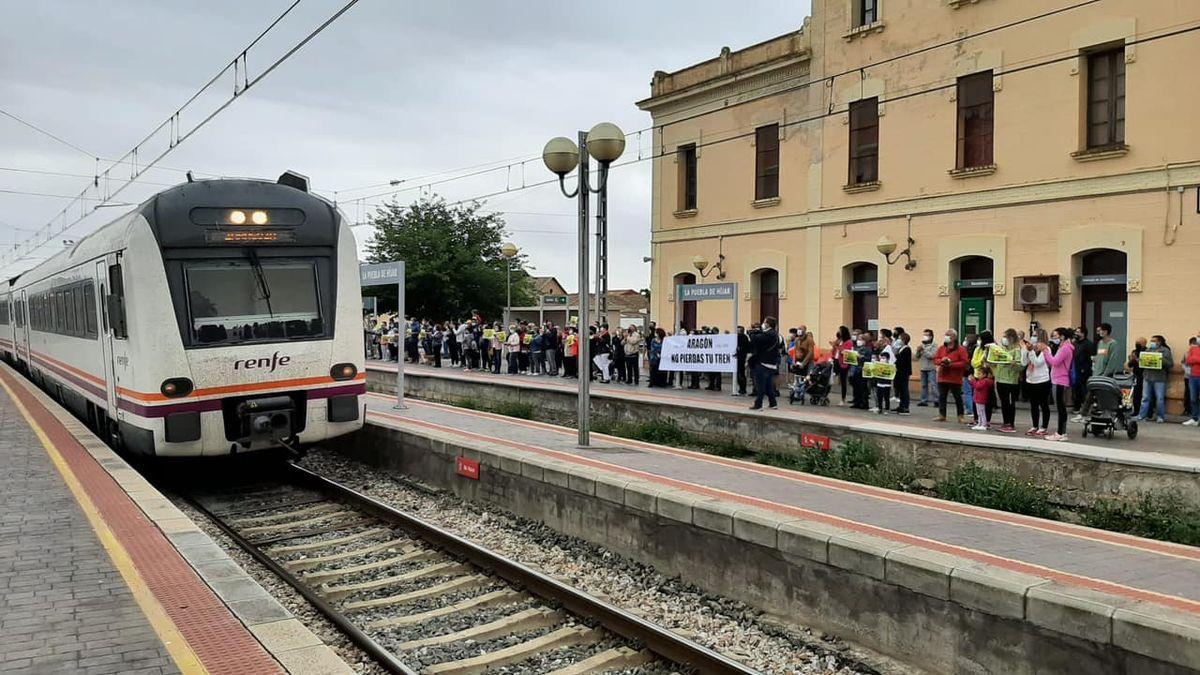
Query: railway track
[[419, 599]]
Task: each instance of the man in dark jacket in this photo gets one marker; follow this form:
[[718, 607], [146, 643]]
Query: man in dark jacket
[[743, 351], [1085, 349], [904, 371], [764, 352]]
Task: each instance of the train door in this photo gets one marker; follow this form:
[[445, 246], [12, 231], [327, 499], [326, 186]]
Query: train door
[[106, 336], [22, 334]]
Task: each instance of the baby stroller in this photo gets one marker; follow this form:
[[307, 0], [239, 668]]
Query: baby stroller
[[1111, 406], [815, 386]]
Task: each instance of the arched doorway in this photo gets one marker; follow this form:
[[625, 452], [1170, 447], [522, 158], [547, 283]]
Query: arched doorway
[[767, 301], [1103, 295], [973, 282], [685, 313], [864, 296]]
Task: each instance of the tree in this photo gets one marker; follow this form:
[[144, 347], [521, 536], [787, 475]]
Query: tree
[[452, 258]]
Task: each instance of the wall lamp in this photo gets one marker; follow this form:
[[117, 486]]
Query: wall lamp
[[886, 246], [702, 266]]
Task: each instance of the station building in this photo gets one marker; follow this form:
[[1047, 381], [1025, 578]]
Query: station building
[[1041, 156]]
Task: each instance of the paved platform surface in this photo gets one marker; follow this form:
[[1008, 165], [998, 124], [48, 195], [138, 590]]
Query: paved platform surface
[[100, 573], [1141, 571], [1161, 445]]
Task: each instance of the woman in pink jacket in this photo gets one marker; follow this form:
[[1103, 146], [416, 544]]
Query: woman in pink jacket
[[1060, 359]]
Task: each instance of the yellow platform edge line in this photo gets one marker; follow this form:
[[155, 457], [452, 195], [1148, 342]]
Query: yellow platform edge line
[[168, 633]]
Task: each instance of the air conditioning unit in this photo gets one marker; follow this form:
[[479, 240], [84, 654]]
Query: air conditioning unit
[[1036, 294]]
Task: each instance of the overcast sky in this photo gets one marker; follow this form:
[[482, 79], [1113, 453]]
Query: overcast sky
[[393, 90]]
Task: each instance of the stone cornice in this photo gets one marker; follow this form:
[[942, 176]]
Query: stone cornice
[[758, 82], [1156, 178]]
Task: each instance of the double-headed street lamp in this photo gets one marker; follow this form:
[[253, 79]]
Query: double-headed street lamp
[[509, 251], [605, 142]]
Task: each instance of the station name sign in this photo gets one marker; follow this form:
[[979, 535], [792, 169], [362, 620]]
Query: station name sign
[[692, 292], [381, 274]]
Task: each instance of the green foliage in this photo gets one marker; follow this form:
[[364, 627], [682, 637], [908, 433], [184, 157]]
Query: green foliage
[[973, 484], [1158, 515], [514, 409], [452, 258], [468, 403], [855, 460]]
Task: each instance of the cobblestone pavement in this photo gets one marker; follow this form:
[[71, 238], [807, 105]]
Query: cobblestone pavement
[[64, 608]]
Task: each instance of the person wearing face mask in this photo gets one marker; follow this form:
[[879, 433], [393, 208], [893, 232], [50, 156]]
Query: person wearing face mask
[[904, 366], [743, 351], [1156, 380], [1037, 382], [805, 349], [1107, 361], [1191, 368], [925, 353], [1060, 359], [952, 362], [840, 344], [1005, 361], [1084, 351], [969, 342], [859, 385], [764, 353]]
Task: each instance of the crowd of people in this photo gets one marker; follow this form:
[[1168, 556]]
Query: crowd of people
[[979, 372]]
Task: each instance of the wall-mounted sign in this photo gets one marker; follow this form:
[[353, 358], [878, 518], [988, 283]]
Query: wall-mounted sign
[[692, 292], [864, 287], [467, 468], [554, 300], [814, 441], [1102, 279], [973, 283]]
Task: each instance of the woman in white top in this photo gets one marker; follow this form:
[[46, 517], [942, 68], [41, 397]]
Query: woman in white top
[[1037, 381]]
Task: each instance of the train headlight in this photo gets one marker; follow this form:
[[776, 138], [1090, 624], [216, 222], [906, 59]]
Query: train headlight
[[259, 217], [237, 217], [176, 387], [343, 371]]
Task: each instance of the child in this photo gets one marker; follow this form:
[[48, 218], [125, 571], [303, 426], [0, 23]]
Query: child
[[981, 391], [883, 388]]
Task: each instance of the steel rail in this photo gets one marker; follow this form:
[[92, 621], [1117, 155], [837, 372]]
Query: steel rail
[[673, 647], [363, 641]]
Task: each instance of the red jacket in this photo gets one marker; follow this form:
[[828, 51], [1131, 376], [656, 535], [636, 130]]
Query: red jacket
[[956, 370], [1193, 361]]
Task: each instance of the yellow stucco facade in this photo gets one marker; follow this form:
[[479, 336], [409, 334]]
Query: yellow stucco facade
[[1052, 201]]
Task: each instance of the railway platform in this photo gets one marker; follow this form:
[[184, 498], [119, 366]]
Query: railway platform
[[100, 573], [941, 585]]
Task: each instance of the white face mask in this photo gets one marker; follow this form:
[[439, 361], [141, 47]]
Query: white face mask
[[928, 339], [860, 343], [947, 340], [800, 334], [765, 327], [1004, 341], [1033, 339], [1153, 345]]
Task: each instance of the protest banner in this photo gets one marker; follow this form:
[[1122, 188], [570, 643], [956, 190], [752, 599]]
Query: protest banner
[[699, 353], [999, 355], [850, 357], [882, 371]]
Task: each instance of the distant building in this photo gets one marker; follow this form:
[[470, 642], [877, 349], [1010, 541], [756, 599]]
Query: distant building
[[1051, 158], [625, 307]]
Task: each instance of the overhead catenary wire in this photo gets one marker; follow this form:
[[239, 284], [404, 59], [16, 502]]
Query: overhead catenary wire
[[42, 131], [48, 231]]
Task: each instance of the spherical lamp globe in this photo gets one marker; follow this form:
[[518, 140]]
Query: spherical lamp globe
[[606, 142], [560, 155]]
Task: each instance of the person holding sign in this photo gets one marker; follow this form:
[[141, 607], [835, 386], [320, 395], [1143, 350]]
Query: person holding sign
[[1156, 363], [882, 372], [1191, 368], [1005, 361]]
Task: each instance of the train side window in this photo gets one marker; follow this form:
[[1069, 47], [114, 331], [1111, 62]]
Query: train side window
[[89, 308], [80, 311], [116, 302]]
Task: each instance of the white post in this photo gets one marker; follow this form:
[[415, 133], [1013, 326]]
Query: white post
[[400, 335]]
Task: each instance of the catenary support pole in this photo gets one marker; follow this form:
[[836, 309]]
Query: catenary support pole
[[400, 360]]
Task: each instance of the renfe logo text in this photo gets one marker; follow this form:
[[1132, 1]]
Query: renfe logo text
[[270, 363]]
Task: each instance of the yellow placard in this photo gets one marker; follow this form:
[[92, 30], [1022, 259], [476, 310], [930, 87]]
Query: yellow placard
[[1150, 360], [489, 333], [882, 371], [999, 355], [850, 357], [528, 338], [868, 370]]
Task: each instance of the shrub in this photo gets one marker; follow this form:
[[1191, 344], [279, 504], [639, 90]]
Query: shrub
[[468, 403], [1161, 515], [973, 484], [514, 409]]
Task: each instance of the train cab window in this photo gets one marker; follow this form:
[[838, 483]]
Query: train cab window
[[249, 300], [116, 302]]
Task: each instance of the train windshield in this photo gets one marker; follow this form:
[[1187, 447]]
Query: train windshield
[[253, 300]]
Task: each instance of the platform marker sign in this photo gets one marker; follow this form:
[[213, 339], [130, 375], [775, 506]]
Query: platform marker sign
[[814, 441], [467, 468]]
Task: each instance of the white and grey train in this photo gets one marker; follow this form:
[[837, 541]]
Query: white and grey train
[[219, 316]]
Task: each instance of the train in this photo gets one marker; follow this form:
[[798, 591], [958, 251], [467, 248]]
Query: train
[[217, 317]]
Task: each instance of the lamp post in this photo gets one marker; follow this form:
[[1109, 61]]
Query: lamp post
[[509, 251], [605, 142]]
